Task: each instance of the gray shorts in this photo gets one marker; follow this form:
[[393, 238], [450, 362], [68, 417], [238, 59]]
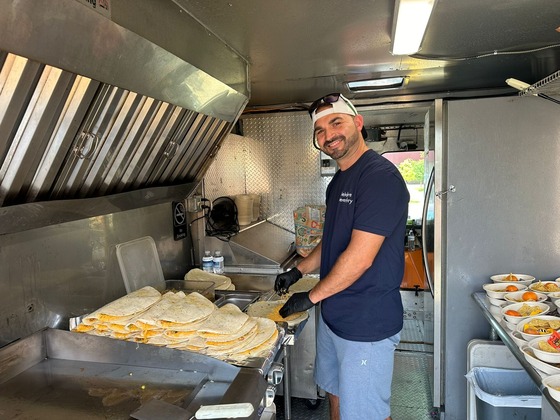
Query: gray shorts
[[359, 373]]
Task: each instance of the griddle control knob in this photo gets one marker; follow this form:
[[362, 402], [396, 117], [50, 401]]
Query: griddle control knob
[[269, 395], [275, 374]]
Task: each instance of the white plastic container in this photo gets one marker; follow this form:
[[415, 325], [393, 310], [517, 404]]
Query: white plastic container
[[256, 206], [504, 394], [218, 261], [208, 262], [139, 263], [244, 203]]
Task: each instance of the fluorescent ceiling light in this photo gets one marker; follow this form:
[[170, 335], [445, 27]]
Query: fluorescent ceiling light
[[376, 84], [409, 25]]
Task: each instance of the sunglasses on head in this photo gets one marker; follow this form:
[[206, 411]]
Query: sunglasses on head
[[329, 100]]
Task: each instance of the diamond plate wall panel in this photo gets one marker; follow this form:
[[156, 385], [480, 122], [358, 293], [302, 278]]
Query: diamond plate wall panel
[[276, 159], [226, 175]]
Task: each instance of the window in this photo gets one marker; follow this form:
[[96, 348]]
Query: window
[[411, 166]]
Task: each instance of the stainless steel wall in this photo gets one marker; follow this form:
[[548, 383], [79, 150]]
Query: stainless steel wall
[[275, 158], [51, 273]]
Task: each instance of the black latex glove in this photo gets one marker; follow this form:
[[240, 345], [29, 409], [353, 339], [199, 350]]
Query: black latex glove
[[285, 280], [299, 302]]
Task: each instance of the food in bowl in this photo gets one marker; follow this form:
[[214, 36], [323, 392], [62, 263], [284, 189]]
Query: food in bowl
[[541, 326], [544, 346], [529, 296], [544, 351], [524, 279], [512, 312], [516, 312], [526, 310], [545, 286], [525, 296], [498, 290]]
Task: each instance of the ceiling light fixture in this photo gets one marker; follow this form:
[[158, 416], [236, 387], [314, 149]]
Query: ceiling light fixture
[[376, 84], [409, 25]]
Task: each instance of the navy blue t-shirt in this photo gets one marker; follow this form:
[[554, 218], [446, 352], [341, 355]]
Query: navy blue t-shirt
[[370, 196]]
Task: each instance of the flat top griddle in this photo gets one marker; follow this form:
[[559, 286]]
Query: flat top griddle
[[61, 374]]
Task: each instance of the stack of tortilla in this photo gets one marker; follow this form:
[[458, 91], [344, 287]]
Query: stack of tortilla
[[220, 282], [112, 319], [186, 322]]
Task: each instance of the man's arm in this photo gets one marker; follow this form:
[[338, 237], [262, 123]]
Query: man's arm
[[312, 262], [350, 265]]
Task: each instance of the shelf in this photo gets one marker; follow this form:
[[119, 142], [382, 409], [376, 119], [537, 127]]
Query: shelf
[[548, 86], [494, 320]]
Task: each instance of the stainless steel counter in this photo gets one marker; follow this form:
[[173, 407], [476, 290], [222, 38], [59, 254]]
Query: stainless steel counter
[[550, 407]]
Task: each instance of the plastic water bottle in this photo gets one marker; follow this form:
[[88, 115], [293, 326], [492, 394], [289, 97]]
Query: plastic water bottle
[[207, 262], [411, 239], [218, 262]]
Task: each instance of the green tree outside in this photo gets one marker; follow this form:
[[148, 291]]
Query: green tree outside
[[412, 170]]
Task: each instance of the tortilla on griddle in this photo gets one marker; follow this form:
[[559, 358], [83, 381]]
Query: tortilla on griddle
[[255, 351], [248, 330], [192, 308], [148, 319], [266, 328], [125, 307], [225, 321], [194, 342], [270, 309], [220, 282]]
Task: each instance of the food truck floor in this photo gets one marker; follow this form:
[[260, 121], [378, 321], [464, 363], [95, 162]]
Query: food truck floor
[[411, 392]]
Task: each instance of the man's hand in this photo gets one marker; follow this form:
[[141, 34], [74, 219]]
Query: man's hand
[[285, 280], [299, 302]]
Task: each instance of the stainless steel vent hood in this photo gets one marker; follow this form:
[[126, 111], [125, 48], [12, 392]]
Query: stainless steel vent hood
[[89, 108]]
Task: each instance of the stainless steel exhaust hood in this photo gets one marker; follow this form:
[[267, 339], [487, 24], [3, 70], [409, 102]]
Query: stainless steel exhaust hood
[[89, 108]]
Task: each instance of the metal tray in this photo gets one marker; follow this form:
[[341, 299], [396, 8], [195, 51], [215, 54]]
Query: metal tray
[[242, 299]]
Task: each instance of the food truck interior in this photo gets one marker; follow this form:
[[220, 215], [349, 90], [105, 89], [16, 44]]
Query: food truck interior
[[127, 119]]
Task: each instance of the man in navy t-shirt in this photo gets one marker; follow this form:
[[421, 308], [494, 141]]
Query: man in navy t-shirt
[[361, 260]]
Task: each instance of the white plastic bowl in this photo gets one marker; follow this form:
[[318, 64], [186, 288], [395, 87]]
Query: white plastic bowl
[[510, 325], [516, 337], [498, 290], [520, 328], [535, 287], [544, 308], [541, 366], [496, 302], [516, 297], [553, 384], [525, 279], [553, 295], [496, 311], [545, 356]]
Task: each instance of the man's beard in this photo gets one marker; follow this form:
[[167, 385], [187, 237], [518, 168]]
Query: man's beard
[[347, 143]]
